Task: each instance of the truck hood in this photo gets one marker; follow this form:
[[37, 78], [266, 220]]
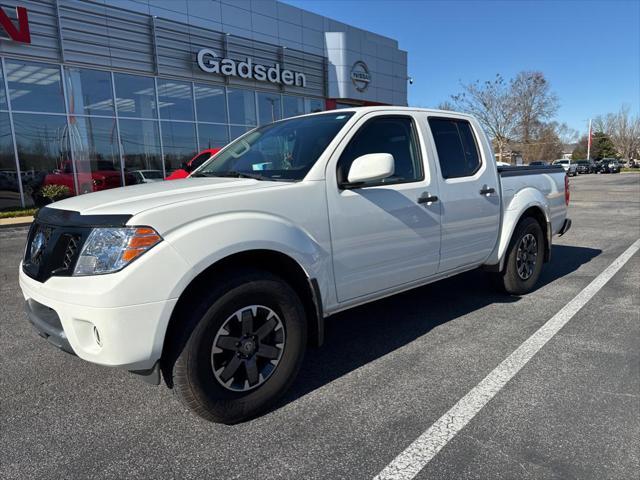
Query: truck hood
[[138, 198]]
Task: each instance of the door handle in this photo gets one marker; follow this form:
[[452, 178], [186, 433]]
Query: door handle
[[426, 198], [487, 190]]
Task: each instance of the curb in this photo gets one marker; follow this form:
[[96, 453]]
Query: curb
[[15, 222]]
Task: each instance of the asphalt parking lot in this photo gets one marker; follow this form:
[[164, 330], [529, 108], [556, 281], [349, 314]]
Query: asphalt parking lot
[[387, 372]]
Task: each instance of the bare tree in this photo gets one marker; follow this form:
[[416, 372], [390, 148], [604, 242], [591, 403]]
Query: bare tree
[[545, 143], [446, 105], [566, 134], [623, 130], [534, 103], [491, 103]]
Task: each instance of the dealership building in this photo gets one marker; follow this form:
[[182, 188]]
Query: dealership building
[[96, 94]]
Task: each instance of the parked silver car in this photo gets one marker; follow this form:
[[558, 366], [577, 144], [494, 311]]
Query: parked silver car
[[570, 167]]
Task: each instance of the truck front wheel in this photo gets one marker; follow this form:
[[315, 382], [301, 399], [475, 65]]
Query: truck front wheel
[[241, 347], [525, 254]]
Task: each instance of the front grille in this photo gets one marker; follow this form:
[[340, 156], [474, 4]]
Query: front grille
[[71, 251], [52, 250]]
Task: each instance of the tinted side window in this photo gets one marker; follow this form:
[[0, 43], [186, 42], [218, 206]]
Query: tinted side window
[[395, 135], [456, 145]]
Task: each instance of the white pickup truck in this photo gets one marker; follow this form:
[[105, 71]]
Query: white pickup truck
[[219, 282]]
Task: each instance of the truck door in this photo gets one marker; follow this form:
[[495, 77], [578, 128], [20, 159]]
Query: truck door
[[468, 193], [386, 233]]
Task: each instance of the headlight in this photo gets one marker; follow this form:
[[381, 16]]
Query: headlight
[[108, 250]]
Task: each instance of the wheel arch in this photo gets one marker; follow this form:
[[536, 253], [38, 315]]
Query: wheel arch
[[272, 261], [538, 213]]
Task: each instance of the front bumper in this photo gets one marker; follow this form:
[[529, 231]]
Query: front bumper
[[129, 337], [47, 323]]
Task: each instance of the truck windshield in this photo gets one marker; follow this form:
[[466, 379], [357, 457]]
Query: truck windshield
[[284, 150]]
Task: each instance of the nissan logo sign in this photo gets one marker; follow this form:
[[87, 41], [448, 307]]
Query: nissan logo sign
[[209, 62], [360, 76]]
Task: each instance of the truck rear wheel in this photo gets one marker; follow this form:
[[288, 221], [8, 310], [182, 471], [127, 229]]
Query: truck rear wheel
[[241, 347], [525, 254]]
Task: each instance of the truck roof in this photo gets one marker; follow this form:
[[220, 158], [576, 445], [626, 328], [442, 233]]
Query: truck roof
[[382, 108]]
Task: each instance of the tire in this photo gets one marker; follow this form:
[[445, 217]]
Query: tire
[[517, 282], [192, 357]]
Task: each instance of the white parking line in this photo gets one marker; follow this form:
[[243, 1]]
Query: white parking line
[[417, 455]]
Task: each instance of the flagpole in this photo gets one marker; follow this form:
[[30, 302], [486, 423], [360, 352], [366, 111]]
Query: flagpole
[[589, 142]]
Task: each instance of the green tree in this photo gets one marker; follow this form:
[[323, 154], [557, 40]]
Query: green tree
[[602, 146]]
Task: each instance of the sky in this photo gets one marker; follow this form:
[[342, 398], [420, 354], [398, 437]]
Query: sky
[[588, 50]]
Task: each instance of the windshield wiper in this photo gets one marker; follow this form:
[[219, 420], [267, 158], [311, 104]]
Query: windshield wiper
[[236, 174], [233, 174]]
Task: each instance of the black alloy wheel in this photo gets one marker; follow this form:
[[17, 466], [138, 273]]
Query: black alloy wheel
[[247, 348], [526, 256]]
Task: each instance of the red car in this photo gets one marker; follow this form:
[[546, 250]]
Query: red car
[[105, 177], [191, 165]]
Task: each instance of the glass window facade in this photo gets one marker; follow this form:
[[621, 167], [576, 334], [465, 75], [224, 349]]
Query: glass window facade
[[34, 87], [237, 130], [293, 105], [44, 155], [212, 135], [94, 143], [211, 104], [179, 144], [9, 186], [242, 107], [175, 100], [269, 108], [89, 92], [90, 130], [140, 146], [135, 96]]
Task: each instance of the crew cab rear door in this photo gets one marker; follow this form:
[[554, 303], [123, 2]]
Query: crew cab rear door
[[469, 191], [384, 234]]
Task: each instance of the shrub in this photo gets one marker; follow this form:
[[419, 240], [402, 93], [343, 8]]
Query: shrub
[[55, 192]]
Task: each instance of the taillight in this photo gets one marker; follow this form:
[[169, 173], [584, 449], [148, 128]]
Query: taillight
[[567, 194]]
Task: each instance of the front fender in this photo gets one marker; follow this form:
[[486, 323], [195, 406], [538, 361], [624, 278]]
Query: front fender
[[214, 238]]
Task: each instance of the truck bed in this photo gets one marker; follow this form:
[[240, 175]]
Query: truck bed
[[518, 182]]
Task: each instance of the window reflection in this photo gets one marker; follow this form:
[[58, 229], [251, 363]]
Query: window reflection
[[43, 151], [212, 136], [140, 147], [3, 96], [179, 143], [292, 105], [94, 142], [242, 107], [269, 109], [211, 104], [34, 87], [135, 96], [236, 131], [314, 105], [175, 100], [9, 187], [89, 91]]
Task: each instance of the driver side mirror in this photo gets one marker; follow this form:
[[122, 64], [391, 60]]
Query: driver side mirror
[[186, 167], [370, 167]]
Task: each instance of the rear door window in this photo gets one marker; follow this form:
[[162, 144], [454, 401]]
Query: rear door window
[[456, 146]]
